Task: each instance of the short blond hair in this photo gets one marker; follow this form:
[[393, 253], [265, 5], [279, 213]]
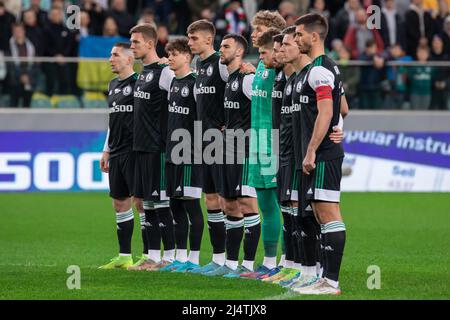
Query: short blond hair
[[269, 19]]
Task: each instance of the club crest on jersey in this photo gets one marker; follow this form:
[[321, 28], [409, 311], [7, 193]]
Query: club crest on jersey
[[149, 77], [127, 90], [298, 87], [265, 74], [185, 91], [235, 85], [209, 71], [289, 90], [279, 76]]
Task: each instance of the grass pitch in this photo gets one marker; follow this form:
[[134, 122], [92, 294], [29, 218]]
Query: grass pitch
[[41, 234]]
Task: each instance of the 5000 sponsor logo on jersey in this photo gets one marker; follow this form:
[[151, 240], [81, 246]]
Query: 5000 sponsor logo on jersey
[[23, 171], [286, 109], [205, 90], [231, 105], [178, 109], [259, 93], [142, 94], [121, 108], [277, 94]]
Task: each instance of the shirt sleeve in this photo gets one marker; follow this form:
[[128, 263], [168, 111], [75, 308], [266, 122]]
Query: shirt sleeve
[[340, 124], [223, 70], [168, 92], [195, 92], [320, 77], [247, 85], [166, 79], [106, 145]]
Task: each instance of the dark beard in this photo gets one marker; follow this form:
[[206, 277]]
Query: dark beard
[[226, 61], [306, 49]]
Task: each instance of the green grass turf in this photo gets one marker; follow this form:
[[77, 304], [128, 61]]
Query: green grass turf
[[41, 234]]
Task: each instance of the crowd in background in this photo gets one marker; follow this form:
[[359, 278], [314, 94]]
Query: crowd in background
[[409, 30]]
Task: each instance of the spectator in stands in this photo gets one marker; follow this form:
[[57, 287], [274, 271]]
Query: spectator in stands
[[350, 76], [320, 7], [445, 35], [163, 39], [86, 27], [336, 46], [110, 28], [147, 16], [434, 6], [21, 75], [161, 9], [6, 20], [235, 17], [397, 77], [420, 81], [420, 27], [197, 7], [59, 43], [334, 6], [14, 7], [345, 18], [392, 28], [42, 16], [34, 32], [371, 77], [181, 16], [402, 6], [123, 19], [441, 76], [288, 8], [293, 7], [443, 13], [96, 16], [358, 35]]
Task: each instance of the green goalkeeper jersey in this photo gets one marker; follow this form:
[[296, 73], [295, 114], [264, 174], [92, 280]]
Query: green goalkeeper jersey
[[263, 164]]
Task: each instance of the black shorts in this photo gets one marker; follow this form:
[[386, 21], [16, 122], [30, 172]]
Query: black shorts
[[211, 178], [184, 180], [121, 175], [234, 178], [150, 176], [287, 183], [324, 183]]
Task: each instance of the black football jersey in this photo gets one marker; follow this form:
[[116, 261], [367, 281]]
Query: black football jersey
[[150, 108], [277, 97], [296, 122], [237, 104], [182, 112], [286, 147], [120, 103], [323, 72], [209, 88]]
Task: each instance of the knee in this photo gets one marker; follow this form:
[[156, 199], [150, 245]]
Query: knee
[[138, 204], [121, 205], [249, 205], [231, 208], [212, 201]]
